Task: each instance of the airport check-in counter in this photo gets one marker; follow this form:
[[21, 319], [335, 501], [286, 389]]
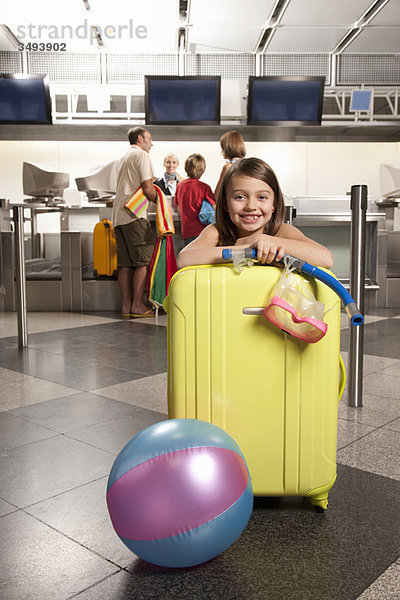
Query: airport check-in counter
[[59, 265]]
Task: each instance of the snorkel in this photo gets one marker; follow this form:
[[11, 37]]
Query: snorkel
[[351, 308], [356, 318]]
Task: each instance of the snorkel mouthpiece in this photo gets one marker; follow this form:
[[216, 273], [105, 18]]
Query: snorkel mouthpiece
[[354, 314]]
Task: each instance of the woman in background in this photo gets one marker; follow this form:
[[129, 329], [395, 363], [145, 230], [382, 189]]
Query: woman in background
[[233, 149], [168, 182]]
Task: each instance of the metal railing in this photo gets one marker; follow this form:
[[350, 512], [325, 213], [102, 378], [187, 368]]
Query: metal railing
[[385, 105], [358, 205], [18, 216]]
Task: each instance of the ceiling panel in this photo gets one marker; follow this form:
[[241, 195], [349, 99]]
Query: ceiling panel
[[230, 39], [213, 25], [291, 39], [379, 39], [227, 25], [42, 12], [150, 26], [324, 12], [230, 12]]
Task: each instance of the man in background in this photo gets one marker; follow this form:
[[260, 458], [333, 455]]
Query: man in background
[[134, 235]]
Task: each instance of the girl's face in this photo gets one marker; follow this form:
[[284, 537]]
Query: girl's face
[[170, 165], [250, 203]]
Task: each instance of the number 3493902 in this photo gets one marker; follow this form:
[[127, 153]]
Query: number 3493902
[[43, 47]]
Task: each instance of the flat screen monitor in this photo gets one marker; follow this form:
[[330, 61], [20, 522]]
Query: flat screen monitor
[[182, 100], [360, 100], [24, 99], [285, 100]]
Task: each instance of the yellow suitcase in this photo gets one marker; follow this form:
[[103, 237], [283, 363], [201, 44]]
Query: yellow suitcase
[[104, 250], [275, 394]]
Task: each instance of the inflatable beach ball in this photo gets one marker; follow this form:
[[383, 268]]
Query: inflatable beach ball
[[179, 493]]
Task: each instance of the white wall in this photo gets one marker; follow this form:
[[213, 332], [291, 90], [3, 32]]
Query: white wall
[[303, 168]]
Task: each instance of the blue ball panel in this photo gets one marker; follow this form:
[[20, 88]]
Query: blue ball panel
[[200, 544], [168, 436]]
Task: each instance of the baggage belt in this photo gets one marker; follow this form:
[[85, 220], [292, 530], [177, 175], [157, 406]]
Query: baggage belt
[[275, 394]]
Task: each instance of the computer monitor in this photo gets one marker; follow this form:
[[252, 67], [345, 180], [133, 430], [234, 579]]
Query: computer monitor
[[24, 99], [360, 100], [182, 100], [101, 183], [285, 100], [42, 183]]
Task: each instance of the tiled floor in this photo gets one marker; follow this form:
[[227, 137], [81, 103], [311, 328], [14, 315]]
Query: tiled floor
[[79, 392]]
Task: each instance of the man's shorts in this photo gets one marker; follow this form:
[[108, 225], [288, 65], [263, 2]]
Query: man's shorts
[[134, 243]]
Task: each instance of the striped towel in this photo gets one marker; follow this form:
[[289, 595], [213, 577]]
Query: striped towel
[[164, 220], [137, 204]]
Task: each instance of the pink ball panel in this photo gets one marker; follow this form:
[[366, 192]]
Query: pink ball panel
[[176, 492]]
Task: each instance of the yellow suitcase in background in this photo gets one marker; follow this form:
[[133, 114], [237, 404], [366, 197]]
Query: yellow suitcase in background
[[275, 394], [104, 250]]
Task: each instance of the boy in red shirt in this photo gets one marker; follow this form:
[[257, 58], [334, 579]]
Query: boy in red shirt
[[189, 195]]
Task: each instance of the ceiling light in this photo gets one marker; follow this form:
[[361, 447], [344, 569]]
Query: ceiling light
[[373, 10], [346, 40]]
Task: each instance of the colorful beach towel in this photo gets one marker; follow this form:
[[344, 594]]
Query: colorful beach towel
[[137, 204], [164, 222], [163, 262]]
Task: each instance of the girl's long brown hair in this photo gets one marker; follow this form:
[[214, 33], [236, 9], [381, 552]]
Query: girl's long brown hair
[[256, 169]]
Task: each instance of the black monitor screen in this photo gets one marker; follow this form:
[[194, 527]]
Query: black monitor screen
[[24, 99], [183, 100], [285, 100]]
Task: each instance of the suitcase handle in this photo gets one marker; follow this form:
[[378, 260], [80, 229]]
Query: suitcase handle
[[342, 372]]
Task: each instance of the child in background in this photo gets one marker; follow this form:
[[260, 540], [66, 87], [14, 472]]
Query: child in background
[[249, 214], [189, 195]]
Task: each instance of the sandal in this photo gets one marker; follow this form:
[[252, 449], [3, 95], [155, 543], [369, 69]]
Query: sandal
[[148, 313]]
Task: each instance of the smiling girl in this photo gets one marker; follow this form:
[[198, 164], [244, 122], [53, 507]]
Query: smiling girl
[[249, 214]]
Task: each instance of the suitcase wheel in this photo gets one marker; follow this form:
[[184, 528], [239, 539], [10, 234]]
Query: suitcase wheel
[[95, 272], [320, 503]]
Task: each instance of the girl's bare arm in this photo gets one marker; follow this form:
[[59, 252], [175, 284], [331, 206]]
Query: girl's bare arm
[[289, 240], [203, 250]]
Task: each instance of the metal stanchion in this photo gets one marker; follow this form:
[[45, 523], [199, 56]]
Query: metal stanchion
[[18, 216], [290, 214], [358, 206]]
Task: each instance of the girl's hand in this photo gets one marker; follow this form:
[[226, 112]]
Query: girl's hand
[[269, 248]]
